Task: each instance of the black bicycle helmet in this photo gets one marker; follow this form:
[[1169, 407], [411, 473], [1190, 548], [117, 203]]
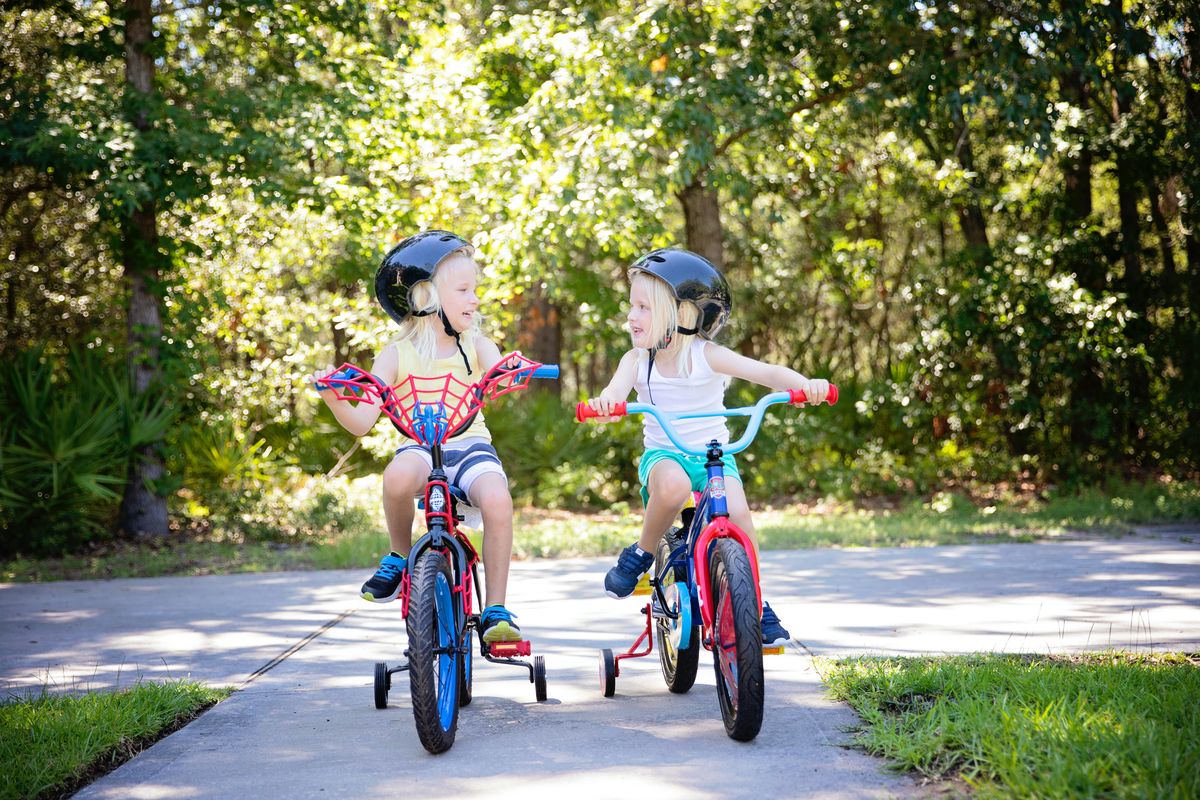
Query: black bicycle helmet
[[692, 277], [409, 263]]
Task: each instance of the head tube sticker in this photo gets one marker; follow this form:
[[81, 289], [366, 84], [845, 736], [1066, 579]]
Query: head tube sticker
[[716, 487]]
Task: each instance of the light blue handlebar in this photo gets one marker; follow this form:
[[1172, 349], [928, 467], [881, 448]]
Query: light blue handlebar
[[546, 371], [754, 412]]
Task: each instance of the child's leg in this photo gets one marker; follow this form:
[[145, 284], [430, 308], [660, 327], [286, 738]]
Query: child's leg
[[669, 488], [402, 479], [739, 509], [489, 493], [773, 632]]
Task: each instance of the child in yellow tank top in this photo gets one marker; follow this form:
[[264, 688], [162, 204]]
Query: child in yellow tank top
[[427, 283]]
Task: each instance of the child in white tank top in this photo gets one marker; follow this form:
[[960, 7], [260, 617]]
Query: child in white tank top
[[678, 301]]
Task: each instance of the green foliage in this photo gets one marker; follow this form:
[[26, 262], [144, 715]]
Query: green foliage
[[553, 461], [70, 427], [53, 743], [1096, 725], [937, 207]]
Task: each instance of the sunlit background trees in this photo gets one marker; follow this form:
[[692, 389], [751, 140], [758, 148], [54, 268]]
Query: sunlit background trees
[[978, 218]]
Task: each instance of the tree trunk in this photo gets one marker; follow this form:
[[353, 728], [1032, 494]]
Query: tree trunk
[[1191, 213], [1190, 358], [1128, 193], [1077, 171], [143, 509], [970, 213], [702, 222], [1087, 414], [541, 335]]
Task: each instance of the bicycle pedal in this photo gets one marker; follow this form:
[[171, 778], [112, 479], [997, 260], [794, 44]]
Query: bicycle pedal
[[509, 649], [643, 586], [774, 650]]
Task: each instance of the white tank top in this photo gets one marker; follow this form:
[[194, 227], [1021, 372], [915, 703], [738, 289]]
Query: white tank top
[[702, 390]]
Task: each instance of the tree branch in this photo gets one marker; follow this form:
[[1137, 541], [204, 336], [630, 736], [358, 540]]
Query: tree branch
[[803, 105]]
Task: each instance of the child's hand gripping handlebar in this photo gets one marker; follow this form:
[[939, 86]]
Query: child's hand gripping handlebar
[[584, 412]]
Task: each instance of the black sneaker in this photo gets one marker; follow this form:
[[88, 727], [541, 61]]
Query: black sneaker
[[384, 585], [622, 579]]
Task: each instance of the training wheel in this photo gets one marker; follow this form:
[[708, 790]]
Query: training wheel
[[383, 682], [539, 677], [608, 672]]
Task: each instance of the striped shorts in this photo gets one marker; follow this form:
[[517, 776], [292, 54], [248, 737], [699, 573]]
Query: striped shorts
[[463, 460]]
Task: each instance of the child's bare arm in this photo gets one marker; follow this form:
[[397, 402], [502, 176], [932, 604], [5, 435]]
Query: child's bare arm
[[487, 352], [725, 361], [359, 418], [618, 388]]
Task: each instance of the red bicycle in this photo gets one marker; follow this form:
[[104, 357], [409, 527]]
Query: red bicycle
[[440, 587], [705, 589]]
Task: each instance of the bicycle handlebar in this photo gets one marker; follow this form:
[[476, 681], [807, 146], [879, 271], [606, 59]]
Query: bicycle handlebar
[[453, 404], [584, 412]]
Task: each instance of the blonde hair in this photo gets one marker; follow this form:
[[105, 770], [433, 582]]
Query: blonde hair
[[421, 332], [667, 314]]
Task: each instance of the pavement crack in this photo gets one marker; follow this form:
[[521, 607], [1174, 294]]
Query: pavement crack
[[279, 659]]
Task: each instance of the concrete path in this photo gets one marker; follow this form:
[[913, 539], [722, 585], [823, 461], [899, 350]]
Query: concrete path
[[301, 647]]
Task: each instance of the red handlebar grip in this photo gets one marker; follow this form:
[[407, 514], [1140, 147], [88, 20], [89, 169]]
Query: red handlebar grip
[[798, 396], [584, 412]]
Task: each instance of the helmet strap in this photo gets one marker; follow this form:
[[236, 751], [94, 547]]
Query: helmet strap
[[649, 368], [457, 338]]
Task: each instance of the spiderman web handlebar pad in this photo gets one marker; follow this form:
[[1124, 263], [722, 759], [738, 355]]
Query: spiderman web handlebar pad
[[346, 374], [434, 408]]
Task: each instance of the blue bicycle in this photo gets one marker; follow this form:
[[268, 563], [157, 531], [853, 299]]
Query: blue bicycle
[[441, 584], [705, 583]]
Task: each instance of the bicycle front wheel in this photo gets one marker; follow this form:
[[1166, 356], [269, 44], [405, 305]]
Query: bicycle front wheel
[[737, 641], [433, 657]]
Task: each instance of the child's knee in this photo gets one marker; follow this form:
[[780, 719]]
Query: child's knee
[[492, 495], [401, 479], [671, 487]]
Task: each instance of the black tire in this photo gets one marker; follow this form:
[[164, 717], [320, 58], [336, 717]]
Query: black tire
[[433, 637], [678, 664], [539, 677], [383, 682], [737, 641], [608, 672], [465, 675]]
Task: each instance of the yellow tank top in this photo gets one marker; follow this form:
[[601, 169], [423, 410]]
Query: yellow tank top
[[409, 363]]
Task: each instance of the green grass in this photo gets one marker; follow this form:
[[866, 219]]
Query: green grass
[[51, 745], [1097, 725], [356, 539], [953, 518]]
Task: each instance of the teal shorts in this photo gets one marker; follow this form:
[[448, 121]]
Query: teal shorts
[[692, 465]]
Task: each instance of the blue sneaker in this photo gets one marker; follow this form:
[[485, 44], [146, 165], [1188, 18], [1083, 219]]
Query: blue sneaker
[[773, 632], [498, 626], [622, 579], [384, 585]]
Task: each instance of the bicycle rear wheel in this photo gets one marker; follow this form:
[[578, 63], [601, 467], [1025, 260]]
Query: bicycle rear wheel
[[433, 658], [678, 639], [737, 641]]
